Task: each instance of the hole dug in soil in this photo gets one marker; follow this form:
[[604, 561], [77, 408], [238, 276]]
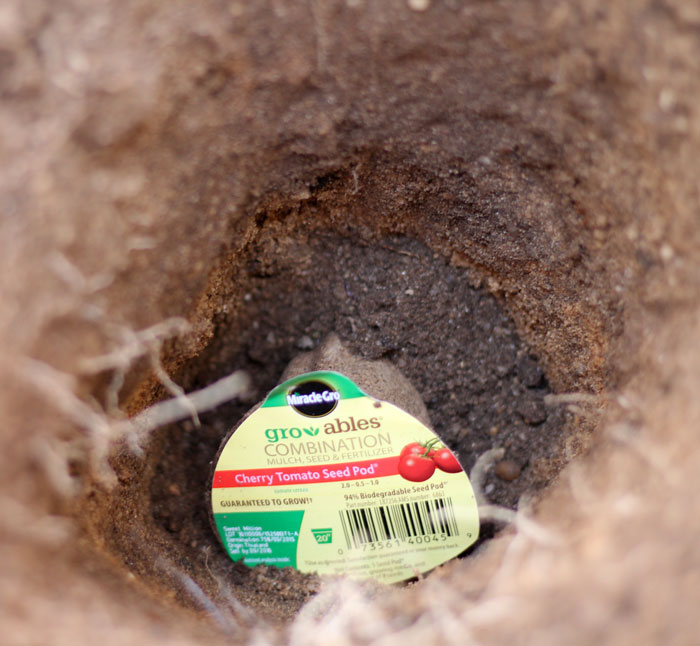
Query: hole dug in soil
[[499, 198], [388, 297], [447, 216]]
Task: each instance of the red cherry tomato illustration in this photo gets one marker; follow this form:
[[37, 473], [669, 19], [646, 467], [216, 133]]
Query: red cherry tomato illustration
[[415, 448], [446, 460], [415, 468]]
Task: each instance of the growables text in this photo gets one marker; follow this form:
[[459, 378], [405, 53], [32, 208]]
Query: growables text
[[334, 426]]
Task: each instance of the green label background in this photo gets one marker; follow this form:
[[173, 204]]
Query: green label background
[[282, 554]]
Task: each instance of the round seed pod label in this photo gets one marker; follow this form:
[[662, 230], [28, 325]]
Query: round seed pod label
[[323, 478]]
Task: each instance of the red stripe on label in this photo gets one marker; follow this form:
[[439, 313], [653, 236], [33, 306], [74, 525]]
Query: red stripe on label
[[378, 468]]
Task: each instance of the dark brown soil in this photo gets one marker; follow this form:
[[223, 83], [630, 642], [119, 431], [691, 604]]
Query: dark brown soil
[[393, 300]]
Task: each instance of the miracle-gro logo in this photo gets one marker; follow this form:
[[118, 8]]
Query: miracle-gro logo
[[327, 396], [313, 398]]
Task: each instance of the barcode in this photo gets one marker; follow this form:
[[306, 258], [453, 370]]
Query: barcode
[[413, 519]]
